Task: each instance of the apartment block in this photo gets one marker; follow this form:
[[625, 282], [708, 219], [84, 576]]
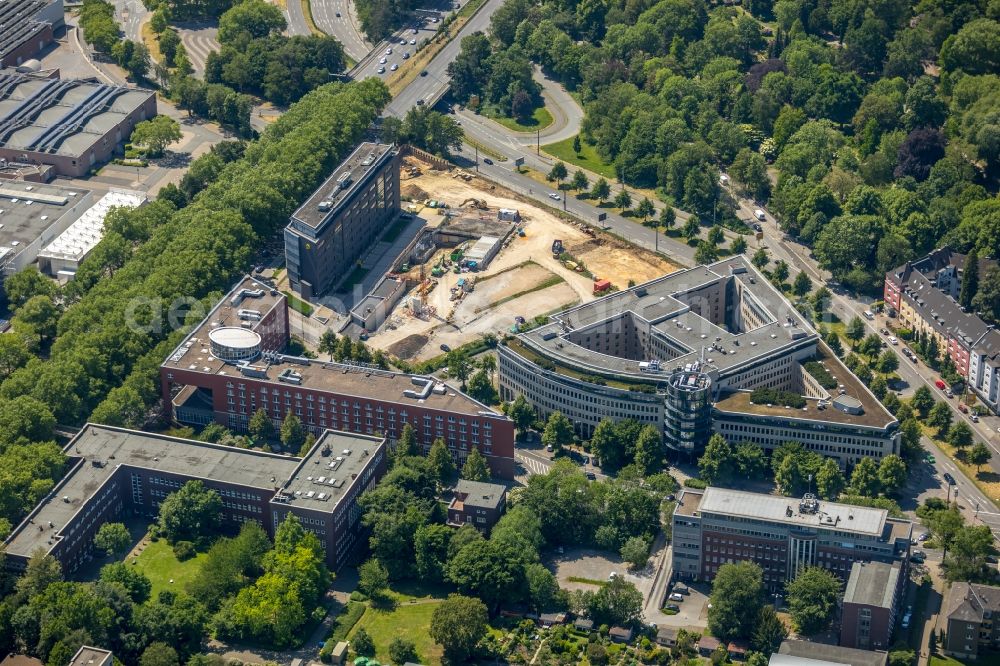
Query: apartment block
[[115, 472], [923, 295], [871, 604], [970, 611], [233, 364], [781, 534]]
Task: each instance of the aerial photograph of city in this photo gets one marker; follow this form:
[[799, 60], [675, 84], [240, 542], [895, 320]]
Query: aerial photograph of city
[[482, 332]]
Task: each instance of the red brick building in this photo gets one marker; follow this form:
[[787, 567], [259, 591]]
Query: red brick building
[[231, 366], [871, 604]]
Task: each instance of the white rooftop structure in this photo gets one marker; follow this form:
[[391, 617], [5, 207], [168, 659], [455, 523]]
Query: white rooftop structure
[[807, 512], [72, 246]]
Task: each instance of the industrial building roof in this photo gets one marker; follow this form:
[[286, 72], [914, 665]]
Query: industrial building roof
[[872, 584], [86, 232], [63, 117], [194, 354], [670, 306], [32, 211], [790, 511], [345, 181], [18, 24]]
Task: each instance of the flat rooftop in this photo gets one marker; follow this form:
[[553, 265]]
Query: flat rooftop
[[62, 117], [28, 210], [98, 451], [86, 232], [661, 306], [804, 653], [194, 355], [872, 584], [327, 472], [786, 510], [91, 656], [347, 179]]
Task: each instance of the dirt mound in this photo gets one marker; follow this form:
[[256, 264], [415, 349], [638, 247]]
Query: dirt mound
[[584, 247], [414, 192], [408, 346]]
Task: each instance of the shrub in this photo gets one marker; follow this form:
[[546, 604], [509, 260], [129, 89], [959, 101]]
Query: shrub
[[695, 483], [821, 374], [184, 550], [764, 396]]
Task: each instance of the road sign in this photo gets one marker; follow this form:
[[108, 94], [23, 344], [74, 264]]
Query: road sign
[[518, 162], [601, 217]]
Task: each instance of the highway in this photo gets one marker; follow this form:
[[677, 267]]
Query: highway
[[130, 15], [338, 19]]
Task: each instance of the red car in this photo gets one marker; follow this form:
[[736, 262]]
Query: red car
[[940, 384]]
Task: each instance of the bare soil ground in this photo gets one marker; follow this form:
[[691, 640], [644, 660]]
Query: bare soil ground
[[525, 266]]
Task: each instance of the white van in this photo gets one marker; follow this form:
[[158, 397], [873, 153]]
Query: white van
[[759, 214], [869, 315]]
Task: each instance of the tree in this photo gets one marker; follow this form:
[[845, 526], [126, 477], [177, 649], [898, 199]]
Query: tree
[[159, 654], [156, 134], [543, 588], [812, 598], [25, 284], [190, 513], [635, 551], [373, 578], [458, 624], [705, 253], [691, 228], [940, 417], [715, 235], [580, 181], [736, 600], [979, 455], [558, 173], [362, 643], [649, 450], [855, 330], [750, 460], [402, 650], [577, 146], [481, 388], [716, 465], [407, 444], [892, 474], [769, 631], [440, 464], [738, 245], [430, 545], [922, 400], [830, 480], [327, 343], [760, 258], [645, 209], [601, 190], [558, 431], [134, 582], [623, 200], [260, 427], [521, 413], [607, 446], [112, 538], [966, 558], [987, 299], [668, 217], [293, 433], [616, 603], [780, 272], [801, 285], [248, 20], [459, 366], [864, 478], [888, 362], [475, 467], [970, 279], [40, 316]]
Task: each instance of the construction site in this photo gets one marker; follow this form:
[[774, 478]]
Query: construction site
[[489, 260]]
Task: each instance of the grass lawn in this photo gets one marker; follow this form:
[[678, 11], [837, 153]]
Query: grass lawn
[[157, 561], [587, 159], [539, 120], [408, 620]]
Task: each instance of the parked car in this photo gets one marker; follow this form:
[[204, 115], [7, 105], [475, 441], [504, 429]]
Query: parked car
[[906, 621], [388, 51], [949, 478], [673, 607], [974, 418], [931, 459], [591, 476], [549, 448], [962, 408], [869, 315], [759, 214], [487, 160], [918, 556], [394, 67], [612, 575], [924, 536], [893, 340], [554, 196], [940, 384], [383, 60], [884, 331], [758, 228], [674, 596], [381, 70], [445, 348]]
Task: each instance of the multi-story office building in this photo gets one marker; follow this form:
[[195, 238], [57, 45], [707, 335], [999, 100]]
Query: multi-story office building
[[342, 219], [114, 472], [781, 534], [871, 601], [923, 294], [684, 352], [232, 365], [970, 612]]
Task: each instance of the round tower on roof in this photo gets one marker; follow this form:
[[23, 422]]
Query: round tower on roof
[[232, 343]]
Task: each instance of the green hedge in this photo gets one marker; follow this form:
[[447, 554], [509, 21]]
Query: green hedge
[[821, 374], [766, 396]]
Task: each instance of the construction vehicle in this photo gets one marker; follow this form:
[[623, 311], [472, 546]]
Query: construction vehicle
[[557, 248], [474, 203]]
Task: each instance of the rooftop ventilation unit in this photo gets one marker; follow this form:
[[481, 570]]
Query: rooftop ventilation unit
[[324, 206], [344, 180]]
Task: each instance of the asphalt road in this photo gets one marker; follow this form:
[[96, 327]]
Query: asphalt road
[[199, 40], [338, 19], [433, 85], [295, 15], [130, 15]]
